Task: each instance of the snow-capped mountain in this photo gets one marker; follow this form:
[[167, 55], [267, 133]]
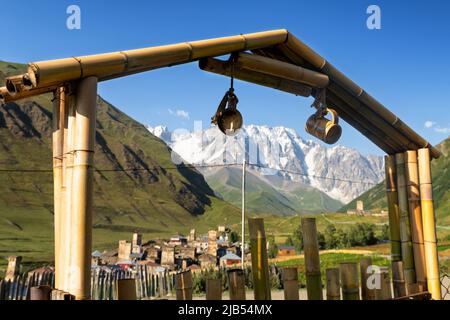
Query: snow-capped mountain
[[342, 173]]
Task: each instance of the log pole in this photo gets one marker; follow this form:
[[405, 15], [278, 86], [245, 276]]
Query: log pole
[[260, 263], [58, 144], [349, 280], [312, 259], [366, 292], [183, 285], [236, 284], [429, 224], [412, 183], [333, 284], [82, 189], [398, 279], [290, 284], [213, 289], [392, 199], [126, 289], [385, 290], [405, 226]]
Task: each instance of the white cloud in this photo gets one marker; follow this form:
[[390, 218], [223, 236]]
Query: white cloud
[[436, 128], [429, 124], [442, 130], [179, 113]]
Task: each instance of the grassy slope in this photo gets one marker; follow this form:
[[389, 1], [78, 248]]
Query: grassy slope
[[375, 198], [158, 200], [263, 197]]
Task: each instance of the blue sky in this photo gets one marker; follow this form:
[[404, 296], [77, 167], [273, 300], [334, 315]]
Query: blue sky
[[405, 65]]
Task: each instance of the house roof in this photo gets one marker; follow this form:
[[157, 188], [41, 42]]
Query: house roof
[[284, 247], [353, 103], [230, 256]]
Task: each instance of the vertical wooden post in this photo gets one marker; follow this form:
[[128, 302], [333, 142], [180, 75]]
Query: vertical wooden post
[[40, 292], [66, 188], [236, 284], [260, 264], [398, 279], [126, 289], [333, 284], [58, 142], [366, 292], [213, 289], [405, 226], [290, 283], [429, 225], [349, 280], [312, 259], [392, 199], [82, 189], [412, 182], [183, 285], [385, 291]]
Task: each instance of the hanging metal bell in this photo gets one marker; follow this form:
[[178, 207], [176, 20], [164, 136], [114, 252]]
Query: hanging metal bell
[[329, 131], [227, 117]]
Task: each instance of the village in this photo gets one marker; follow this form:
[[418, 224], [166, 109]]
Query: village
[[193, 252]]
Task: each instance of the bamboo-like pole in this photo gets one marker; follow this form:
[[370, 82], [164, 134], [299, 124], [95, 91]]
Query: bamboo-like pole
[[260, 263], [290, 283], [394, 214], [183, 285], [59, 114], [6, 97], [224, 68], [333, 284], [282, 70], [367, 293], [385, 291], [118, 64], [312, 259], [126, 289], [236, 284], [398, 279], [213, 289], [311, 57], [66, 191], [429, 224], [412, 182], [82, 189], [405, 226], [349, 280]]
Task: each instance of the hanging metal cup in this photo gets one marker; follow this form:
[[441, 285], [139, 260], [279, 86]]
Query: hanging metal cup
[[329, 131]]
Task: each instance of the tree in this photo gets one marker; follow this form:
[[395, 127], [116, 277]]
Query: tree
[[234, 237], [330, 237], [273, 248]]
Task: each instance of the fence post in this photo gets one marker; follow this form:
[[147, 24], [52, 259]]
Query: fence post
[[183, 284], [349, 280], [398, 279], [213, 289], [260, 264], [290, 283], [41, 292], [366, 293], [385, 292], [126, 289], [312, 259], [333, 284], [236, 284]]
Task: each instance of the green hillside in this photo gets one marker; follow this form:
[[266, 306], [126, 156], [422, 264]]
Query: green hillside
[[273, 197], [375, 198], [155, 197]]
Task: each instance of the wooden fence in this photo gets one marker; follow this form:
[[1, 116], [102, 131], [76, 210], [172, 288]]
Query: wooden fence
[[18, 288], [149, 285]]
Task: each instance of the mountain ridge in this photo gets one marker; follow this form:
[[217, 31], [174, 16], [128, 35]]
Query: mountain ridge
[[293, 158]]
